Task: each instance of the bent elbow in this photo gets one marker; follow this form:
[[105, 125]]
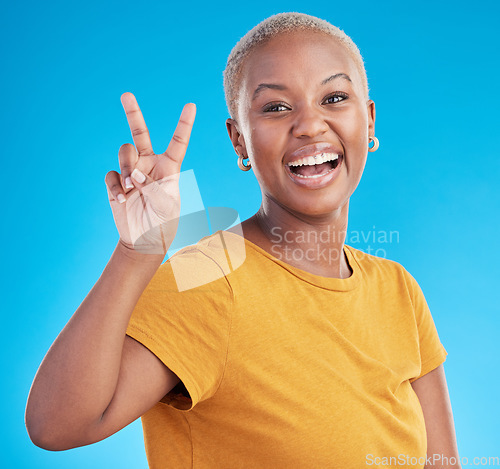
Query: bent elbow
[[43, 436], [39, 438]]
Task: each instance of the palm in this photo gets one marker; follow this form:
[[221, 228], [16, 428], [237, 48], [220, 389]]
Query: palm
[[147, 221]]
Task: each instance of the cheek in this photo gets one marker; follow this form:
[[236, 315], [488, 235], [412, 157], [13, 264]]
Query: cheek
[[265, 143], [356, 133]]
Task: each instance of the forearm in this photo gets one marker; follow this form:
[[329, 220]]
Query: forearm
[[432, 392], [77, 378]]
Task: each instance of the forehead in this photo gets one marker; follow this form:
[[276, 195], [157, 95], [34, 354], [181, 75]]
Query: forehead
[[297, 56]]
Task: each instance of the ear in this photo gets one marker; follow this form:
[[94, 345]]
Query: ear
[[370, 107], [236, 137]]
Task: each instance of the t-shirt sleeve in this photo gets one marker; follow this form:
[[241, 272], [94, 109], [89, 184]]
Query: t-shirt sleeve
[[187, 328], [432, 351]]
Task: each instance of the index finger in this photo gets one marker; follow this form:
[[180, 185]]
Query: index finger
[[140, 133], [178, 144]]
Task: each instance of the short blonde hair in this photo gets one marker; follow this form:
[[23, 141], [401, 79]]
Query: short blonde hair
[[270, 28]]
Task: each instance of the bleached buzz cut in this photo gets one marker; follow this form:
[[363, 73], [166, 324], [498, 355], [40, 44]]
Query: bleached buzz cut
[[270, 28]]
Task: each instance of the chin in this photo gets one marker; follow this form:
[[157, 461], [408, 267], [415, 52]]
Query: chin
[[320, 208]]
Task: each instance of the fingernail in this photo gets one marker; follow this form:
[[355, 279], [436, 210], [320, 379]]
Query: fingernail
[[120, 198], [128, 183], [138, 176]]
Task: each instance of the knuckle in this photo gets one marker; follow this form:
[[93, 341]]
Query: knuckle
[[126, 146], [136, 132], [178, 139], [169, 156], [145, 151], [108, 179], [115, 188]]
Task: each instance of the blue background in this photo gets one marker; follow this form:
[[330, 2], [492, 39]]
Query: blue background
[[433, 73]]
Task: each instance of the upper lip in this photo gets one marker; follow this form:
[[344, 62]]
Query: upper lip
[[312, 150]]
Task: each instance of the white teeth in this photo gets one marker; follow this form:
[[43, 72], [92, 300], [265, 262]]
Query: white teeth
[[312, 160]]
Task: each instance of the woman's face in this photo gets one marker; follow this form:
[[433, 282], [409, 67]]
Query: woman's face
[[301, 101]]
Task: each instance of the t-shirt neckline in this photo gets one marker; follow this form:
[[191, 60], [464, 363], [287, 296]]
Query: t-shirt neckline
[[329, 283]]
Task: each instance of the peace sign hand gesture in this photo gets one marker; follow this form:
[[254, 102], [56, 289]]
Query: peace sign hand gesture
[[145, 198]]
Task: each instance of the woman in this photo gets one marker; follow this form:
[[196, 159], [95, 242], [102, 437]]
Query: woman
[[271, 344]]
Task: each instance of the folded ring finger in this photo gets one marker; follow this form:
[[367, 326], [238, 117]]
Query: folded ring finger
[[114, 187], [127, 157]]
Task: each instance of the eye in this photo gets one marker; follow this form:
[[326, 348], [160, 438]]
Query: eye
[[336, 97], [276, 107]]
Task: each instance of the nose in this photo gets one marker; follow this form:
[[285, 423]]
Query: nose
[[310, 123]]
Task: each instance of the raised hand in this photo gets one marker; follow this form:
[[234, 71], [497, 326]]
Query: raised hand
[[145, 197]]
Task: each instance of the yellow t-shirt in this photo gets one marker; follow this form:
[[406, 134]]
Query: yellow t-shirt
[[284, 368]]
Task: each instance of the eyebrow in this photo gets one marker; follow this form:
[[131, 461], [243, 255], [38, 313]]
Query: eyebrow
[[267, 85], [337, 75], [273, 86]]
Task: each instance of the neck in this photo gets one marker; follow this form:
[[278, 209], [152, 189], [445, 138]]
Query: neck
[[311, 243]]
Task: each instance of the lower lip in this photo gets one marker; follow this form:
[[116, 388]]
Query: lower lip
[[315, 182]]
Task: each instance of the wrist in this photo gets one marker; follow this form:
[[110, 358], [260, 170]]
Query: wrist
[[137, 256]]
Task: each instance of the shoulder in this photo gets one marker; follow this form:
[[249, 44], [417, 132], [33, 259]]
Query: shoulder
[[370, 262], [209, 261], [390, 279], [383, 269]]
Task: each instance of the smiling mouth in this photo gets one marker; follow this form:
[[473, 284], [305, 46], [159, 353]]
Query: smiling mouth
[[311, 167]]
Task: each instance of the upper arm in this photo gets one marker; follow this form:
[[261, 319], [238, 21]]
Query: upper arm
[[432, 392], [143, 381]]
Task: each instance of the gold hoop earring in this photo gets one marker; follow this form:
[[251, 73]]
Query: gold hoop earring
[[241, 165], [375, 143]]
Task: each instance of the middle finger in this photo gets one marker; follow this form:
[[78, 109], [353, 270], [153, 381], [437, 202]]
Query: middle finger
[[137, 125]]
